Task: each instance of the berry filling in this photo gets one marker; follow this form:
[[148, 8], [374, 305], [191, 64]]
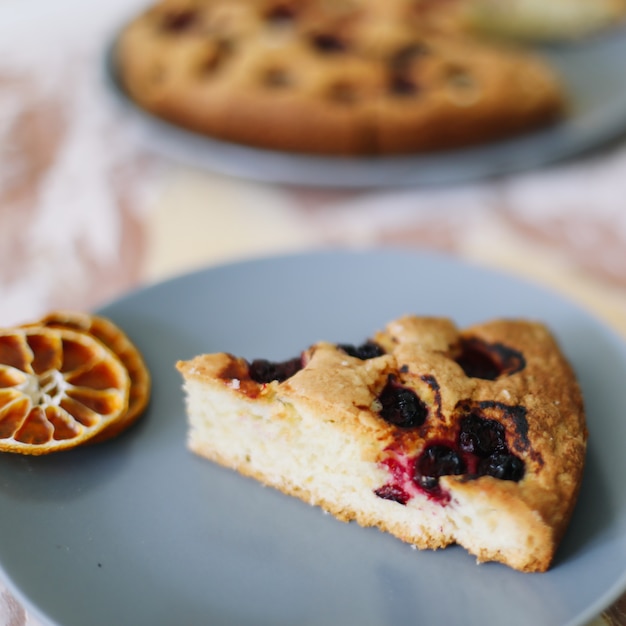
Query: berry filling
[[263, 371], [401, 85], [179, 21], [489, 361], [401, 406], [401, 487], [437, 460], [367, 350], [281, 12], [502, 465], [481, 437], [480, 449], [393, 492], [328, 43]]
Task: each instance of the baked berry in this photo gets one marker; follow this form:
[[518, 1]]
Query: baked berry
[[482, 437], [179, 21], [503, 466], [264, 371], [402, 85], [478, 364], [367, 350], [401, 406], [435, 461], [480, 359], [328, 43], [393, 492], [281, 12]]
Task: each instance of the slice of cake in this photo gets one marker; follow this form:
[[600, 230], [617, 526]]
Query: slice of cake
[[436, 435]]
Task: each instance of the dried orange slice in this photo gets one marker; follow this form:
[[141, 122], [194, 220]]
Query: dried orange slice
[[58, 389], [118, 342]]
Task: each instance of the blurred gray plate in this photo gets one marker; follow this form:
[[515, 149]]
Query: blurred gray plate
[[140, 531], [593, 76]]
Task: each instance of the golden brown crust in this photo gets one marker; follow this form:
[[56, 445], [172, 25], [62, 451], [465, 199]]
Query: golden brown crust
[[350, 78], [508, 374]]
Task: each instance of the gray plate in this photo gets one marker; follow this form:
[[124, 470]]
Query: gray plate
[[593, 77], [140, 531]]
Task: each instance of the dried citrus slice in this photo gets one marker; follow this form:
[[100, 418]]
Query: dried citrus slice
[[58, 389], [117, 341]]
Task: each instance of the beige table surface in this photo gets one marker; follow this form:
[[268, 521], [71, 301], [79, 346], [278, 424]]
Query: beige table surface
[[87, 213]]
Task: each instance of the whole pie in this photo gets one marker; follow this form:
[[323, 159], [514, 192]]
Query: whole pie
[[434, 434], [345, 77]]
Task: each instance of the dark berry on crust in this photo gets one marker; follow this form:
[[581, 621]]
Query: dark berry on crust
[[367, 350], [503, 466], [435, 461], [514, 416], [480, 359], [483, 442], [178, 21], [328, 43], [263, 371], [401, 405], [481, 437], [402, 85], [480, 450], [281, 12]]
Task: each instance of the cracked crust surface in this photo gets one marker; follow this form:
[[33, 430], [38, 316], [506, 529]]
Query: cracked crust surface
[[347, 78], [319, 434]]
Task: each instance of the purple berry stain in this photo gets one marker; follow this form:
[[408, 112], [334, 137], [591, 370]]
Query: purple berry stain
[[480, 449], [401, 487]]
